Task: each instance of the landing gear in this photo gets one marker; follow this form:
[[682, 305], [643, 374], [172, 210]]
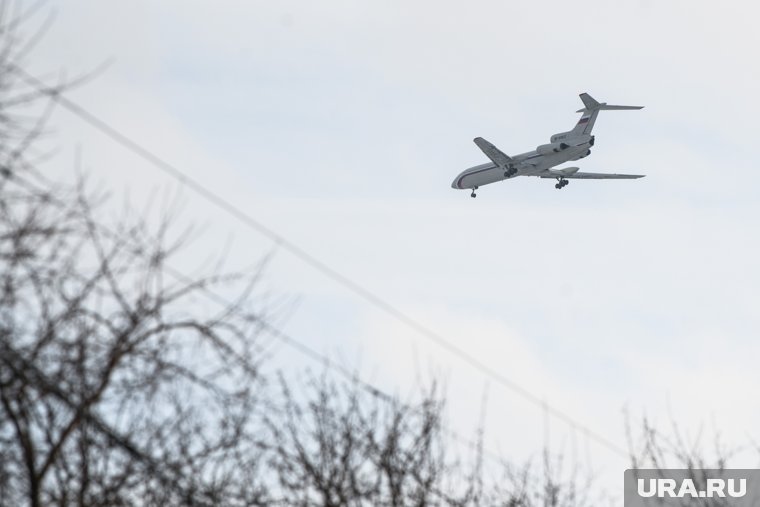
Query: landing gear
[[561, 182], [473, 192], [511, 171]]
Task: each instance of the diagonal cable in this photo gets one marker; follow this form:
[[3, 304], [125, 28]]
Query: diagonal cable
[[298, 252]]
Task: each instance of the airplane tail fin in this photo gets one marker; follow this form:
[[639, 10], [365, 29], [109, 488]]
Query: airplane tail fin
[[591, 110], [589, 102]]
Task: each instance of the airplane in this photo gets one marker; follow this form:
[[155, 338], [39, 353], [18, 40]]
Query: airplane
[[564, 147]]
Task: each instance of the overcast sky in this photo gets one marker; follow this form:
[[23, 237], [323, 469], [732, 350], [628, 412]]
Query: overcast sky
[[341, 124]]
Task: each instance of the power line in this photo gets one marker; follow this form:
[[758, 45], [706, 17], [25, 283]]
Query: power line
[[287, 339], [274, 331], [307, 258]]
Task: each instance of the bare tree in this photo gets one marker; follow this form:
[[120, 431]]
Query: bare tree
[[700, 455], [340, 446], [117, 386], [344, 444]]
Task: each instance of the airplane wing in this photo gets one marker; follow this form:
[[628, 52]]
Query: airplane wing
[[497, 156], [595, 176]]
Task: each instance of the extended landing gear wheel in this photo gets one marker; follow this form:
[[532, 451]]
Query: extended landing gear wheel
[[561, 182], [510, 172], [473, 192]]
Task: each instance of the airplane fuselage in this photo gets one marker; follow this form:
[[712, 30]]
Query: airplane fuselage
[[531, 163]]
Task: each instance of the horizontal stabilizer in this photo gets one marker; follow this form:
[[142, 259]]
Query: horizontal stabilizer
[[605, 107], [497, 156], [595, 176], [592, 104]]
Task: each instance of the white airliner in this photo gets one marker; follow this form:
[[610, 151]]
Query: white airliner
[[563, 147]]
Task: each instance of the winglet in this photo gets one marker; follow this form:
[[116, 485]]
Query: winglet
[[497, 156]]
